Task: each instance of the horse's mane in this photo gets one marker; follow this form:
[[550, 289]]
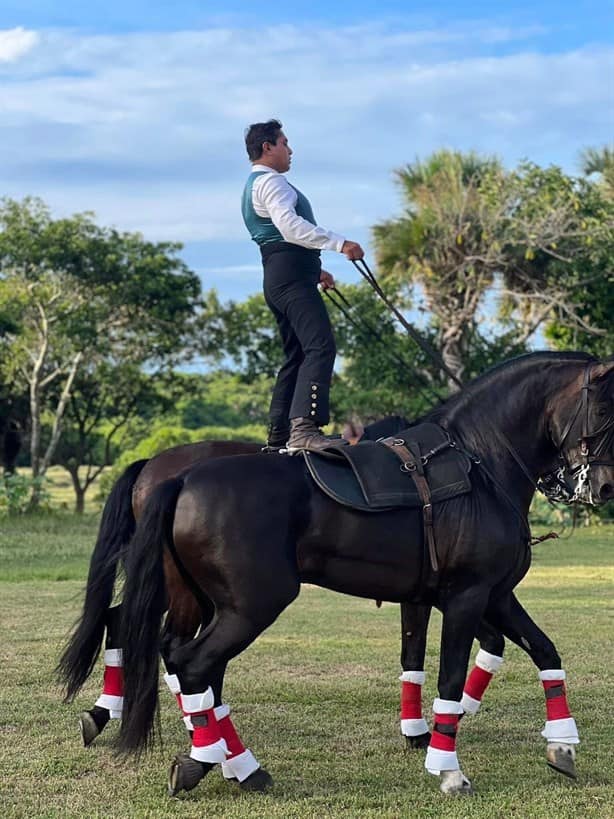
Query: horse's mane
[[472, 413]]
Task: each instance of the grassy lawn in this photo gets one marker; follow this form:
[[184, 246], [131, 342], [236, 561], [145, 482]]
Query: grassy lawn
[[316, 698]]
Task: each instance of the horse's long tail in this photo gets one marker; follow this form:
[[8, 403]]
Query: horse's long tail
[[143, 606], [117, 526]]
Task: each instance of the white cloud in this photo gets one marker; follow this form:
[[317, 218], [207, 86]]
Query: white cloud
[[15, 42], [146, 129]]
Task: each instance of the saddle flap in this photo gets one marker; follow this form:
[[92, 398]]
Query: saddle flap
[[370, 477]]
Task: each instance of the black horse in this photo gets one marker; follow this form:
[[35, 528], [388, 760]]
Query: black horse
[[245, 532], [125, 503]]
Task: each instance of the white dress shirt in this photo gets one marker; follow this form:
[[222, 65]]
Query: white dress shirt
[[274, 198]]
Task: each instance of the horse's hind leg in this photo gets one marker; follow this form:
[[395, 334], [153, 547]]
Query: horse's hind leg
[[414, 627], [560, 729], [200, 666], [109, 704], [487, 662]]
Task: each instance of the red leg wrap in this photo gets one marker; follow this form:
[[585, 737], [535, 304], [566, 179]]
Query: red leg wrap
[[477, 683], [444, 742], [411, 701], [556, 706], [113, 683], [229, 733], [208, 733]]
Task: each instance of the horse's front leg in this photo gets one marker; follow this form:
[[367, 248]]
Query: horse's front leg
[[560, 730], [414, 626], [462, 609]]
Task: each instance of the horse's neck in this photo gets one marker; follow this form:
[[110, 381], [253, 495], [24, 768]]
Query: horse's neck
[[511, 424]]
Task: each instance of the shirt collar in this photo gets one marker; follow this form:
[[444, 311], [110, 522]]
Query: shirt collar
[[264, 168]]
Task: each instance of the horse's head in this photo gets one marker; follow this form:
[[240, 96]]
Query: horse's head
[[582, 428]]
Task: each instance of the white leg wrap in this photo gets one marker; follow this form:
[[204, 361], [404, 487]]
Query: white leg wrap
[[446, 706], [172, 680], [114, 657], [488, 662], [552, 674], [561, 730], [413, 727], [195, 703], [437, 761], [221, 711], [216, 752], [115, 714], [187, 721], [240, 766], [470, 705], [111, 703], [416, 677]]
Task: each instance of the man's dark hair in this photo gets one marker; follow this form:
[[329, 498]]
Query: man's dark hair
[[259, 133]]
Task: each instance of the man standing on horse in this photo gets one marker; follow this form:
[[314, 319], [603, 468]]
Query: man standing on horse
[[280, 220]]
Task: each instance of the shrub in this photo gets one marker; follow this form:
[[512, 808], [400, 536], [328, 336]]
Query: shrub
[[167, 437], [16, 491]]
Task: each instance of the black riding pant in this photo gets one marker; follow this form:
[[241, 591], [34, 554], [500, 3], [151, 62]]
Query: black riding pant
[[291, 276]]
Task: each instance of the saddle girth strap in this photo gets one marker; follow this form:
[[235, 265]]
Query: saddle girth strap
[[410, 464]]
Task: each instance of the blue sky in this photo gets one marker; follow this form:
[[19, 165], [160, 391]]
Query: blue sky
[[136, 110]]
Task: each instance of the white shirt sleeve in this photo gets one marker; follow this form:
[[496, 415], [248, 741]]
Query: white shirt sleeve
[[274, 197]]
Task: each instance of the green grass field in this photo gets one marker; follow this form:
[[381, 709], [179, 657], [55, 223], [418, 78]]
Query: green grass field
[[316, 698]]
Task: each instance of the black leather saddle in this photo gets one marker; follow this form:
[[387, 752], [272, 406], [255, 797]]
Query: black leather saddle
[[370, 477]]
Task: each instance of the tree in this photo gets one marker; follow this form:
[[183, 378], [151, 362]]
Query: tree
[[556, 230], [84, 294], [104, 400], [468, 225], [594, 298], [445, 243], [600, 161], [244, 332]]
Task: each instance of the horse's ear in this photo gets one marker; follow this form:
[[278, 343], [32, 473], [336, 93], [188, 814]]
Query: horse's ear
[[602, 370]]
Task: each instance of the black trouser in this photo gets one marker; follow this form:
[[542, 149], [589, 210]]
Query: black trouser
[[291, 276]]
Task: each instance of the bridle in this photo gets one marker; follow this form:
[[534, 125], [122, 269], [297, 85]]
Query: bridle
[[553, 485]]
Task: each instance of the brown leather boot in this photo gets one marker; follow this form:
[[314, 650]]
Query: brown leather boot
[[276, 438], [304, 434]]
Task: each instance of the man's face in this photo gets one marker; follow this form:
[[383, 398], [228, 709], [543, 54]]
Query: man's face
[[278, 156]]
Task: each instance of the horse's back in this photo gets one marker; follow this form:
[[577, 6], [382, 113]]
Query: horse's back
[[172, 462]]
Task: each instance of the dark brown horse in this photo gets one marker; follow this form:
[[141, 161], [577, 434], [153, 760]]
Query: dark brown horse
[[124, 505], [245, 532]]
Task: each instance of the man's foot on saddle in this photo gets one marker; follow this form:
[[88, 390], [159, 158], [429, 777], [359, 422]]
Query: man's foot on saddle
[[305, 435]]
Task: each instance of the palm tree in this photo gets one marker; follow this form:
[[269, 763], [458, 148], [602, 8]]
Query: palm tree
[[599, 161], [445, 241]]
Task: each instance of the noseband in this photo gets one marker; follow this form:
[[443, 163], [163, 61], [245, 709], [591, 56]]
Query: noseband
[[553, 484]]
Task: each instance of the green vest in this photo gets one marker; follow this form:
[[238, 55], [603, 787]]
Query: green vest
[[261, 228]]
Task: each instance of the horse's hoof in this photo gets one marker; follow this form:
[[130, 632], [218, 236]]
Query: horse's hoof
[[185, 774], [418, 743], [561, 757], [260, 781], [455, 783], [92, 723]]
